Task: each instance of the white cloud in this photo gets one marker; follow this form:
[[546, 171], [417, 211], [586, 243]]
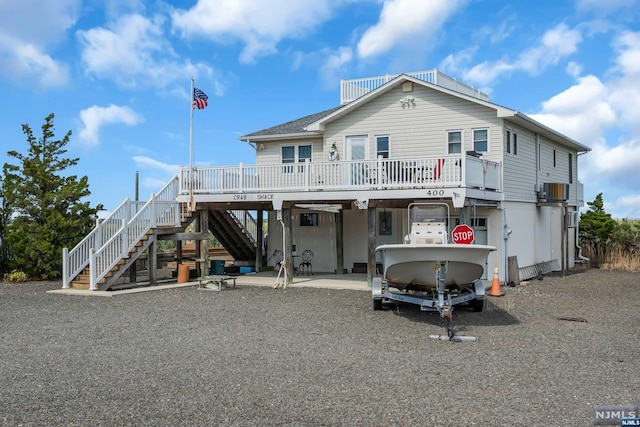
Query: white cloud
[[334, 65], [27, 29], [145, 162], [555, 44], [27, 63], [133, 52], [603, 6], [157, 173], [574, 69], [95, 117], [37, 22], [260, 25], [405, 21], [598, 114], [627, 206]]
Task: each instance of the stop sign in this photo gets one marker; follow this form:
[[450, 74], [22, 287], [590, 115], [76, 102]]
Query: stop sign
[[462, 234]]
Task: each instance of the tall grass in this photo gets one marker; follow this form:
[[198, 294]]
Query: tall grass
[[614, 257]]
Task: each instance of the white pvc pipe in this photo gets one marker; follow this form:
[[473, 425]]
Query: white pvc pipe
[[456, 338]]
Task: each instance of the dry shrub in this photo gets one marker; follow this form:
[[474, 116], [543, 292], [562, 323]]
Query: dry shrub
[[614, 257]]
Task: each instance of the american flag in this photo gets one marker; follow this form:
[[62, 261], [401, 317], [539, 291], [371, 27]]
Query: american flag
[[199, 98]]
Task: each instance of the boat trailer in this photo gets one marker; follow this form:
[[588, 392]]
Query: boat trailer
[[440, 300]]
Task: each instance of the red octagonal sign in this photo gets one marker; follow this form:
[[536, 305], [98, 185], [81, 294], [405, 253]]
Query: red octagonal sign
[[462, 234]]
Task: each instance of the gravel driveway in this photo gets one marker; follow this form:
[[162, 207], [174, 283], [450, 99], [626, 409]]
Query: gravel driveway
[[255, 356]]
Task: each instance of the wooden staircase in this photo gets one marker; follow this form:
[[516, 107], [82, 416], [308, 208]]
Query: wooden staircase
[[100, 259], [232, 235], [82, 280]]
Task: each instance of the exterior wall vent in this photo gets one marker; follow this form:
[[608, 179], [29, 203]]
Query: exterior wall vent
[[556, 192]]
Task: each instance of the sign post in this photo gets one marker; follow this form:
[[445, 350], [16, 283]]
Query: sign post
[[462, 235]]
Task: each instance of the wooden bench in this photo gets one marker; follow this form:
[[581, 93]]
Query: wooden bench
[[216, 282]]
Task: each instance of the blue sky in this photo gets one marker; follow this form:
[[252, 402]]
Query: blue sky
[[117, 74]]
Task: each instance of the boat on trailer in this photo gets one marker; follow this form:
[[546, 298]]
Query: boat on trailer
[[429, 271]]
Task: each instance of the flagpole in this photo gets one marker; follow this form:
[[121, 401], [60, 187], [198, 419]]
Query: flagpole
[[191, 126], [191, 145]]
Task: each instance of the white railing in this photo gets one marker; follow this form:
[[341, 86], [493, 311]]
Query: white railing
[[377, 174], [355, 88], [161, 210], [247, 222], [75, 260], [165, 212]]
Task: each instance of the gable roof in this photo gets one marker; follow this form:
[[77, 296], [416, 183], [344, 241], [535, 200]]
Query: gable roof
[[313, 125], [294, 128]]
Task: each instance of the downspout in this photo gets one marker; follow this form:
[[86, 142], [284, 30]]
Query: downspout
[[579, 255], [577, 237]]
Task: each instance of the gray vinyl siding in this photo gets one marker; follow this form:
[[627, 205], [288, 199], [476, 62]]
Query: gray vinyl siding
[[419, 129], [272, 151], [559, 173], [519, 170]]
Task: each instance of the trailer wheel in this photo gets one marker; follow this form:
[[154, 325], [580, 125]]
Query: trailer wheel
[[377, 304], [477, 305]]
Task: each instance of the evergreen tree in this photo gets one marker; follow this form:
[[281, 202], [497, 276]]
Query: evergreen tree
[[45, 209], [596, 226]]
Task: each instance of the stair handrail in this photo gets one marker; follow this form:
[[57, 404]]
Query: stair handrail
[[248, 223], [76, 259], [161, 209]]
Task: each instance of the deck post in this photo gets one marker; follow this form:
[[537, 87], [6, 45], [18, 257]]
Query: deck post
[[197, 227], [288, 241], [152, 258], [65, 268], [259, 239], [339, 242], [371, 246], [204, 221]]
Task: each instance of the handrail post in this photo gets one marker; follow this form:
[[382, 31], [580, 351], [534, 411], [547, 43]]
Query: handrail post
[[463, 171], [125, 238], [92, 270], [379, 172], [65, 268], [241, 178], [307, 172], [153, 220]]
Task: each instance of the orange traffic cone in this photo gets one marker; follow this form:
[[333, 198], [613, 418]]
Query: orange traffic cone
[[495, 285]]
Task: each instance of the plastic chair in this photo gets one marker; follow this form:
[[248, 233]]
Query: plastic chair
[[305, 265]]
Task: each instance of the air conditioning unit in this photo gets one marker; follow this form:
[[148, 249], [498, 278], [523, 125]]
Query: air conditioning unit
[[556, 192], [572, 219]]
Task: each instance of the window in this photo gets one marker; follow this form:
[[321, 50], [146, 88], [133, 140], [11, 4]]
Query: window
[[382, 146], [309, 219], [295, 153], [570, 169], [554, 158], [480, 140], [304, 153], [515, 144], [508, 141], [454, 142], [385, 223]]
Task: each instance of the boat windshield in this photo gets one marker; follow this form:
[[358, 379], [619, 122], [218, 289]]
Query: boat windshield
[[429, 214]]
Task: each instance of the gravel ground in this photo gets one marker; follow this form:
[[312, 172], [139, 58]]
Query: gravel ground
[[254, 356]]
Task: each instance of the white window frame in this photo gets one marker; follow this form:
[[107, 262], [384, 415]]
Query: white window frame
[[375, 138], [473, 137], [449, 132], [296, 155]]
